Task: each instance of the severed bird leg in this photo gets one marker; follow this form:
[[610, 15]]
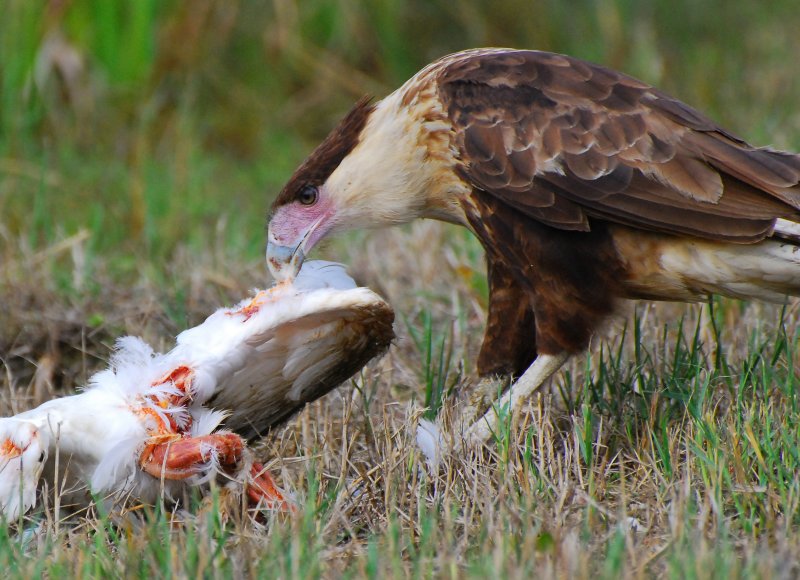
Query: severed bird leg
[[262, 491], [177, 457], [542, 369]]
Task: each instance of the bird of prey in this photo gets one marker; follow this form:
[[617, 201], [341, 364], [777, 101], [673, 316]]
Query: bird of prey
[[150, 422], [584, 186]]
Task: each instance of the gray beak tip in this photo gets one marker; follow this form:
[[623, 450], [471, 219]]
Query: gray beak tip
[[284, 262]]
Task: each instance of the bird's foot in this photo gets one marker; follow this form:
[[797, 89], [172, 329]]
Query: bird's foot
[[263, 493], [177, 457], [531, 380], [431, 436], [431, 439], [483, 396]]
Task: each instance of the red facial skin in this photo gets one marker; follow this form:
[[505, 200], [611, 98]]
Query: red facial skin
[[292, 223], [295, 229]]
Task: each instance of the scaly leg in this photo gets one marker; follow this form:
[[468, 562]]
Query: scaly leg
[[179, 458], [262, 491], [542, 369], [176, 457]]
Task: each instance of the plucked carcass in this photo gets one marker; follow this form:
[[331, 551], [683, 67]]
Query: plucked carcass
[[150, 423]]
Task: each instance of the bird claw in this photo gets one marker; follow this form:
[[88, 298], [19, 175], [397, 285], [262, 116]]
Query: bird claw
[[175, 457], [263, 493]]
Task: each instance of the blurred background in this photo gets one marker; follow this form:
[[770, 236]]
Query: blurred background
[[141, 139], [141, 143]]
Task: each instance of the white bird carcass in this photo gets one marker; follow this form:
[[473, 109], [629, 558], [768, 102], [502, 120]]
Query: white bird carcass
[[147, 424]]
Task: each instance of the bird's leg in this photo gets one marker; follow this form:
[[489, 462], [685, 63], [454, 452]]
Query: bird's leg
[[509, 342], [480, 398], [177, 458], [262, 491], [542, 369]]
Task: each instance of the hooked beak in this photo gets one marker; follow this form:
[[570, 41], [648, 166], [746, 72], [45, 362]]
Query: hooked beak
[[284, 262]]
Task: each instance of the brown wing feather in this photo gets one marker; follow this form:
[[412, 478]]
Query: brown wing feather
[[561, 139]]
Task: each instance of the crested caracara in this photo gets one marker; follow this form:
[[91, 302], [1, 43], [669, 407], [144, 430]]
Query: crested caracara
[[584, 186]]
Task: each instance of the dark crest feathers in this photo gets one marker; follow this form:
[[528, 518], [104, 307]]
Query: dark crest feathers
[[316, 169]]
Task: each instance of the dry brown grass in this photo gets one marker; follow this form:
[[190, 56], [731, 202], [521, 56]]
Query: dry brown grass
[[164, 142], [556, 495]]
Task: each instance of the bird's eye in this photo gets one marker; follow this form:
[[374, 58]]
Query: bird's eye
[[307, 195], [41, 457]]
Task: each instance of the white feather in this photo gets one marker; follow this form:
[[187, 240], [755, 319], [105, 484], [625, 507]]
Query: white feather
[[768, 270], [787, 228], [206, 420], [429, 440], [246, 357], [118, 467]]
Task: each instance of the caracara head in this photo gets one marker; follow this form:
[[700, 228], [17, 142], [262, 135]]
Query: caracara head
[[373, 170], [309, 207]]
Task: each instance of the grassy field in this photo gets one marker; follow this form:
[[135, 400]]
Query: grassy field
[[140, 146]]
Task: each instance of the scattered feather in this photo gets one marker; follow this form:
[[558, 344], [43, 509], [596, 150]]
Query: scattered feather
[[429, 440]]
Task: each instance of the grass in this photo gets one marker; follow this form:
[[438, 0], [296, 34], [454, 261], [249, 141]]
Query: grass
[[139, 149]]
